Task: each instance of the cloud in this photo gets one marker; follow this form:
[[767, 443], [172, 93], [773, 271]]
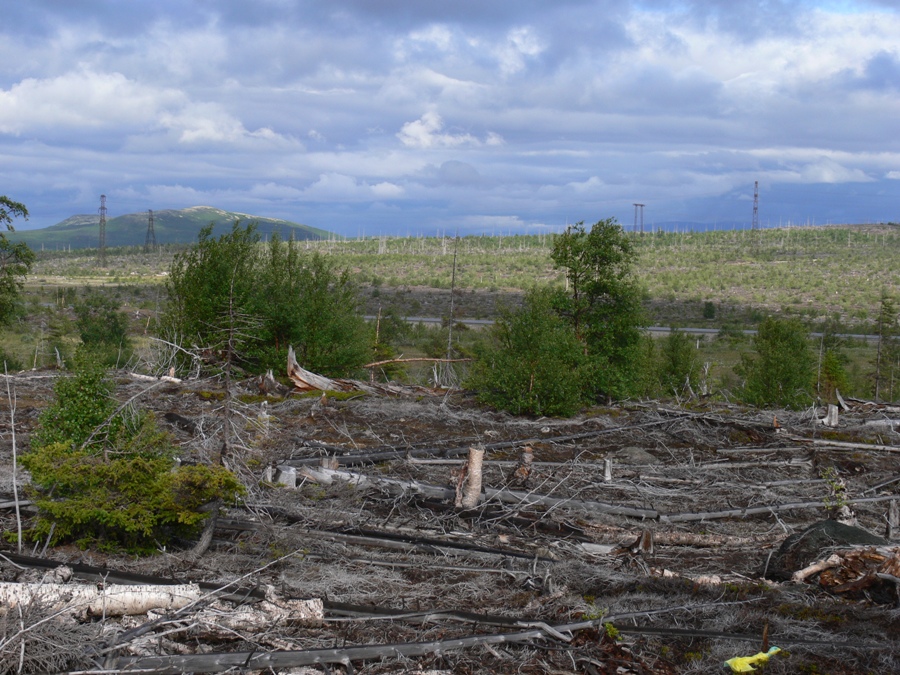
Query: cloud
[[829, 171], [82, 99], [333, 186], [387, 112], [521, 43], [882, 72], [201, 123], [425, 132]]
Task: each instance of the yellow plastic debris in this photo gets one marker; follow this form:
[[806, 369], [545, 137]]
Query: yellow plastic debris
[[744, 664]]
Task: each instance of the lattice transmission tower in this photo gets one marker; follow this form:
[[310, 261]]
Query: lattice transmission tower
[[639, 208], [755, 224], [101, 245], [150, 241]]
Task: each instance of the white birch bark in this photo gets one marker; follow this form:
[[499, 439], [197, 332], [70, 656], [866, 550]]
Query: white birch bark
[[114, 600]]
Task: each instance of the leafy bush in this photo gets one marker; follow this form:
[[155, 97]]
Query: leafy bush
[[678, 361], [534, 365], [270, 299], [82, 402], [16, 260], [832, 362], [10, 361], [305, 301], [782, 372], [106, 478], [102, 326]]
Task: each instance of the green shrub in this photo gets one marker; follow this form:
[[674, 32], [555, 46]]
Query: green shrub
[[534, 365], [102, 326], [122, 489], [10, 361], [782, 371], [228, 288], [678, 361], [136, 500], [82, 402], [16, 260]]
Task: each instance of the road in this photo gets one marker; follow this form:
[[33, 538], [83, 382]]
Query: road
[[480, 323]]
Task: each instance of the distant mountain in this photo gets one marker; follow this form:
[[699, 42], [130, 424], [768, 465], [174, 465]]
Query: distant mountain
[[171, 226]]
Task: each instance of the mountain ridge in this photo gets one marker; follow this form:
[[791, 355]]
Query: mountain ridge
[[171, 226]]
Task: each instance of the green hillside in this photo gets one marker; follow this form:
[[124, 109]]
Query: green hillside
[[171, 227]]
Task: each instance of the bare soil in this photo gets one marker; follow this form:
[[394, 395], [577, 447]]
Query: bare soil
[[398, 564]]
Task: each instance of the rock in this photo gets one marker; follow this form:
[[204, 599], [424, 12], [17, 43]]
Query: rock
[[633, 455], [804, 548]]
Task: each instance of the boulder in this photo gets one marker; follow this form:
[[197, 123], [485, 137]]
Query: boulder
[[814, 543]]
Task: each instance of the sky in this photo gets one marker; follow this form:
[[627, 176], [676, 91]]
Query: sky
[[398, 117]]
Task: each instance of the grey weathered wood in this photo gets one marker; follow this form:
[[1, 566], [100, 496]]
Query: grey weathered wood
[[757, 510], [503, 495]]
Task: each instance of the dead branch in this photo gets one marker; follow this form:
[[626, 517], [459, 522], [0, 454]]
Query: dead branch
[[305, 380], [758, 510], [218, 662], [422, 359], [151, 378], [399, 453], [833, 560], [11, 399], [406, 542], [821, 442]]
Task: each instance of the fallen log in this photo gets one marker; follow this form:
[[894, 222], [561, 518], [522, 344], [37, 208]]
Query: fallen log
[[821, 442], [327, 476], [306, 380], [85, 600], [383, 455], [759, 510], [151, 378]]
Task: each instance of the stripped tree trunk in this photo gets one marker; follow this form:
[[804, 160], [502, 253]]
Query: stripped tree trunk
[[473, 487]]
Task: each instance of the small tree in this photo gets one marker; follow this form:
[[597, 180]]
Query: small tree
[[82, 403], [832, 371], [15, 260], [782, 371], [603, 303], [534, 364], [678, 361], [886, 327], [306, 302], [102, 326], [289, 298], [210, 280]]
